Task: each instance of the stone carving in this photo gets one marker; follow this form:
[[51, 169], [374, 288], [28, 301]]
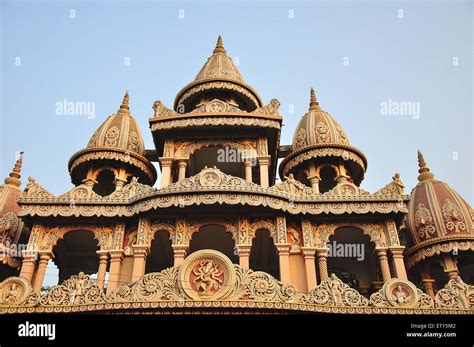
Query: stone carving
[[401, 293], [273, 108], [455, 294], [453, 218], [14, 291], [10, 228], [228, 121], [396, 187], [291, 187], [332, 291], [414, 255], [134, 189], [216, 106], [34, 190], [424, 222], [160, 110], [346, 189], [112, 136], [77, 290], [80, 192]]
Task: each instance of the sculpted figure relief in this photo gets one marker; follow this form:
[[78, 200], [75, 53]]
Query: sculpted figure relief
[[208, 277]]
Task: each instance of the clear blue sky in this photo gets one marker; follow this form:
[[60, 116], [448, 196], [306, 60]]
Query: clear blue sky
[[402, 59]]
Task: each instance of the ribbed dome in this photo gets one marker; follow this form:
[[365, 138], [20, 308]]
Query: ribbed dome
[[219, 66], [120, 130], [218, 78], [318, 127], [436, 210]]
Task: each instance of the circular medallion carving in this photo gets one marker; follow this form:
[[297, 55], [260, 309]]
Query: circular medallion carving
[[207, 275], [14, 291], [210, 179], [401, 293]]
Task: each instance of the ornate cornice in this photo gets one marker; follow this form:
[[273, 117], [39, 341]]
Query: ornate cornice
[[315, 151], [209, 187]]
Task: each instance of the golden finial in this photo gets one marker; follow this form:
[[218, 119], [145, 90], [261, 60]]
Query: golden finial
[[14, 177], [124, 108], [424, 170], [219, 46], [313, 103]]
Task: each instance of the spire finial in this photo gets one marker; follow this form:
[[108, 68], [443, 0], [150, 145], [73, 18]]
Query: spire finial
[[313, 103], [14, 177], [124, 108], [219, 46], [424, 170]]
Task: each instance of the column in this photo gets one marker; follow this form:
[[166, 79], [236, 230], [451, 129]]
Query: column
[[450, 266], [116, 257], [28, 265], [284, 259], [428, 282], [103, 257], [41, 271], [139, 261], [308, 254], [321, 254], [264, 162], [314, 180], [244, 256], [120, 179], [398, 263], [182, 164], [248, 169], [180, 252], [165, 171], [383, 262]]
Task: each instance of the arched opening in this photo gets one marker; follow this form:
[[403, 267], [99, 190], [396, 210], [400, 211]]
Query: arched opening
[[351, 257], [229, 160], [214, 237], [76, 252], [328, 179], [161, 253], [105, 183], [264, 255]]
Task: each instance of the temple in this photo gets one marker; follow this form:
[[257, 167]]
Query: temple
[[217, 230]]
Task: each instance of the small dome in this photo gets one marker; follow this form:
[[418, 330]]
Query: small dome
[[218, 78], [318, 127], [120, 130], [119, 141], [436, 212]]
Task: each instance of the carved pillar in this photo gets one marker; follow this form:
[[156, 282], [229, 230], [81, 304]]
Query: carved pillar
[[321, 254], [244, 256], [182, 164], [165, 171], [398, 263], [314, 180], [139, 261], [41, 271], [284, 259], [120, 179], [449, 265], [28, 265], [248, 169], [180, 252], [90, 182], [264, 162], [428, 282], [383, 262], [116, 257], [103, 257], [310, 267]]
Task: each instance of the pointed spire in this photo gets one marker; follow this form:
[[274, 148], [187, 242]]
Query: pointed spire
[[14, 177], [219, 46], [313, 103], [424, 170], [124, 108]]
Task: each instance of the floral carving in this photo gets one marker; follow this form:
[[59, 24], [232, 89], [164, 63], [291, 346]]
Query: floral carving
[[453, 217], [455, 294], [424, 222], [273, 108], [111, 136]]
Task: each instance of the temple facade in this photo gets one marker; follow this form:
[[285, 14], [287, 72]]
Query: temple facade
[[219, 231]]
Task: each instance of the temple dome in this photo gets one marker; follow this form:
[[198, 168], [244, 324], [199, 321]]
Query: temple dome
[[120, 130], [218, 78], [119, 140], [318, 127], [436, 212]]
